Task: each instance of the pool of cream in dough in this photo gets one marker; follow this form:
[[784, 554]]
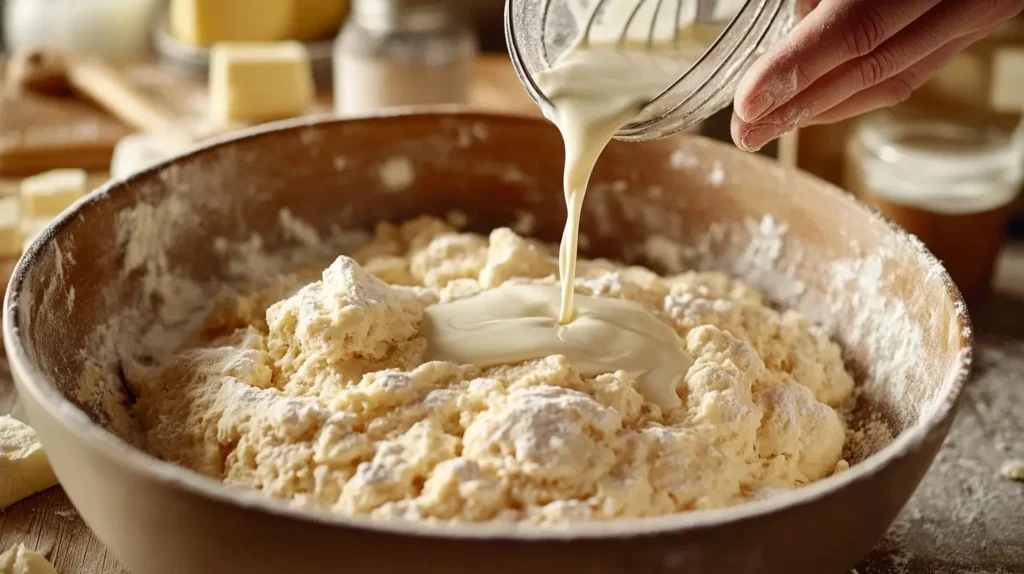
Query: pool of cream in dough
[[516, 323]]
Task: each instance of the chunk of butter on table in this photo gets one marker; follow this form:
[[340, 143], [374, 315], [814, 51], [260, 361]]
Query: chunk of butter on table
[[258, 82], [136, 152], [206, 22], [10, 227], [51, 192], [30, 228], [24, 470], [21, 560]]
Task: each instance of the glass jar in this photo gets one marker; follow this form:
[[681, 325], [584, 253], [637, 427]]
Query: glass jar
[[729, 35], [110, 28], [402, 53], [950, 181]]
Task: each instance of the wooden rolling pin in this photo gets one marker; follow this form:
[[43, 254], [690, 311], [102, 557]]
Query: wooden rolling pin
[[51, 72]]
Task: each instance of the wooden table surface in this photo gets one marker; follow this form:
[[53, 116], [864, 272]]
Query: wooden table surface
[[963, 519]]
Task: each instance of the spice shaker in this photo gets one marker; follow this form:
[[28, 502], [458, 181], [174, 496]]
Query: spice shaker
[[950, 181], [402, 53]]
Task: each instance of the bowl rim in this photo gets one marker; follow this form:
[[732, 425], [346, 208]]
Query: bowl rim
[[45, 392]]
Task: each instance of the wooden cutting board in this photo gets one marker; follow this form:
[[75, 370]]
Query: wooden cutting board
[[42, 132], [495, 88], [38, 133]]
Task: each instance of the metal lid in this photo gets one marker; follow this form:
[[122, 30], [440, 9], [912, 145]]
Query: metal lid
[[405, 15]]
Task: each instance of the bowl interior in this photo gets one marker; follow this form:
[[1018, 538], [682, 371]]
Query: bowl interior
[[132, 269]]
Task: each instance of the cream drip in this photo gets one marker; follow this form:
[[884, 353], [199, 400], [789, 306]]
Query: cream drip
[[594, 91], [516, 323]]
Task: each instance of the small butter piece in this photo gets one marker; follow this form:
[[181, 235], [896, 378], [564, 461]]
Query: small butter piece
[[21, 560], [29, 229], [206, 22], [1013, 470], [1007, 81], [52, 192], [10, 230], [259, 82], [136, 152], [23, 463]]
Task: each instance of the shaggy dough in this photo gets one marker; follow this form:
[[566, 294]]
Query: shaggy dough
[[324, 399]]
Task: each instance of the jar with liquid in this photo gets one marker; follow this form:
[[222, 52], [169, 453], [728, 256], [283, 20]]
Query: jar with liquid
[[394, 53], [716, 41], [951, 182]]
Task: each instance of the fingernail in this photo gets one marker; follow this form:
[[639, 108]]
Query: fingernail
[[736, 129], [757, 107], [756, 136]]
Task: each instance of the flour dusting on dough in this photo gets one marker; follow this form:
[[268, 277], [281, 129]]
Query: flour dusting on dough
[[318, 393]]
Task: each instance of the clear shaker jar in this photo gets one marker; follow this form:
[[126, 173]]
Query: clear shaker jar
[[731, 34], [402, 53], [949, 181]]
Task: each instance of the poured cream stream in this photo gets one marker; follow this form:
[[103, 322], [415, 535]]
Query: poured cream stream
[[594, 92]]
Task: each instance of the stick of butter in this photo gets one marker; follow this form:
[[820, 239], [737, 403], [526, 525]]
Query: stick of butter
[[23, 466], [30, 228], [206, 22], [258, 82], [10, 230], [136, 152], [51, 192], [21, 560]]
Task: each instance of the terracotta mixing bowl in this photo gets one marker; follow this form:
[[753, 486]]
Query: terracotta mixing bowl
[[120, 272]]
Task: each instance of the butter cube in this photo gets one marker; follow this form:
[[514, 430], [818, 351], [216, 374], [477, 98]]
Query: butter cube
[[1008, 80], [317, 19], [10, 232], [52, 192], [259, 82], [206, 22], [30, 228], [23, 465], [136, 152], [21, 560]]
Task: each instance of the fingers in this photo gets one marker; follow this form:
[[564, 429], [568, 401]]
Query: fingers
[[836, 31], [898, 89], [951, 19]]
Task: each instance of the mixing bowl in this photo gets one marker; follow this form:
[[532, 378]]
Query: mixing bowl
[[125, 269]]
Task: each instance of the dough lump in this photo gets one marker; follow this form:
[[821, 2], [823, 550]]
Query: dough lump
[[319, 395]]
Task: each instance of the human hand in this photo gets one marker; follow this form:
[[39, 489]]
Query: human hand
[[848, 57]]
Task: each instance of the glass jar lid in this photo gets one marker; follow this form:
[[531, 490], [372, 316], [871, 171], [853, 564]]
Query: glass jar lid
[[403, 15], [938, 147], [939, 163]]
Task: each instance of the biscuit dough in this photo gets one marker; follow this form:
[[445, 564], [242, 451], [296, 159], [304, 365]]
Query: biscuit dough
[[323, 397]]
